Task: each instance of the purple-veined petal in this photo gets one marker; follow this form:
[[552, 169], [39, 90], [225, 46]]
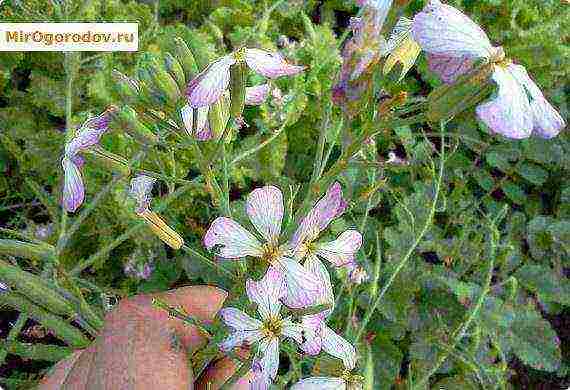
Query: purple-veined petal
[[341, 251], [547, 121], [329, 207], [84, 139], [303, 287], [231, 240], [141, 189], [325, 294], [270, 64], [259, 381], [442, 29], [449, 68], [73, 189], [239, 338], [313, 326], [264, 206], [254, 96], [267, 292], [320, 383], [209, 86], [293, 330], [509, 112], [267, 359], [238, 320], [335, 345]]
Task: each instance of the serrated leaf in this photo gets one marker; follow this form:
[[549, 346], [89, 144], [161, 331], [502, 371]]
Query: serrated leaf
[[544, 282]]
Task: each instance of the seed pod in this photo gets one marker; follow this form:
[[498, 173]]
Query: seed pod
[[468, 90], [185, 57], [199, 51], [219, 116], [108, 160], [161, 229], [237, 88], [127, 88], [150, 96], [36, 289], [126, 119], [163, 82], [175, 70], [25, 250], [71, 335]]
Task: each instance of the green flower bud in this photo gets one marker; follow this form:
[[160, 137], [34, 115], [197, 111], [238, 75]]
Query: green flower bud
[[25, 250], [126, 119], [175, 70], [219, 116], [160, 80], [128, 89], [468, 90], [185, 57]]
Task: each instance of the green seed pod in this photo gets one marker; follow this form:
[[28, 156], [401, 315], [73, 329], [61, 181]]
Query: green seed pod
[[127, 88], [26, 250], [36, 289], [150, 95], [186, 59], [175, 70], [237, 88], [163, 82], [126, 119], [71, 335], [467, 91], [110, 161], [219, 116], [199, 51]]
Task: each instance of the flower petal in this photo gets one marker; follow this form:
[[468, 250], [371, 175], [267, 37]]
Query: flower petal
[[338, 347], [264, 207], [254, 96], [313, 326], [547, 121], [141, 188], [240, 338], [84, 139], [209, 86], [320, 383], [270, 64], [341, 251], [449, 68], [303, 288], [267, 359], [238, 320], [329, 207], [267, 292], [325, 295], [509, 113], [73, 189], [231, 240]]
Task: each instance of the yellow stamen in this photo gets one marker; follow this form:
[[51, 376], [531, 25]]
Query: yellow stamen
[[272, 327], [162, 230]]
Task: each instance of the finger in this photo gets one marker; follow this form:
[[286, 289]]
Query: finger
[[218, 372]]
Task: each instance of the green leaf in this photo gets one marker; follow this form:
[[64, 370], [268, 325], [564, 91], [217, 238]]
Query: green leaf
[[543, 281], [514, 192], [533, 173], [534, 341]]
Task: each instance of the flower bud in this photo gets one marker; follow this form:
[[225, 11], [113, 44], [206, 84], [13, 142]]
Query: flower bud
[[468, 90], [175, 70], [161, 229], [126, 119], [161, 80], [219, 116], [127, 88], [237, 88], [185, 57]]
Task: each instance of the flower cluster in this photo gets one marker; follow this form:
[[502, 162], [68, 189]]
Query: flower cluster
[[296, 277]]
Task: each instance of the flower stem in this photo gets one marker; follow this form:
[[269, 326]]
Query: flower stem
[[408, 255]]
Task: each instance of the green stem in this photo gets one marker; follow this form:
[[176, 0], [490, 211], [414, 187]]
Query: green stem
[[408, 255], [460, 333], [206, 260], [261, 145]]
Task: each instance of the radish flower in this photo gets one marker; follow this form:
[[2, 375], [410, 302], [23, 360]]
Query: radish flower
[[265, 332]]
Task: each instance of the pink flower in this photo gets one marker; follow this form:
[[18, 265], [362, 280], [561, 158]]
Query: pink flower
[[254, 96], [264, 207], [196, 122], [87, 136], [206, 88], [267, 331]]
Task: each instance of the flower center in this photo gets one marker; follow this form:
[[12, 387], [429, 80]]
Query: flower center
[[271, 253], [239, 55], [272, 327], [353, 381]]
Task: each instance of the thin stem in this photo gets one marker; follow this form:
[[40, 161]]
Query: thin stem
[[206, 260], [411, 250], [261, 145], [460, 333], [318, 162]]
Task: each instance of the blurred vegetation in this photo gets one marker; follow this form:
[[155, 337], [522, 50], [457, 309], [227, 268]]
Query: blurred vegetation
[[526, 183]]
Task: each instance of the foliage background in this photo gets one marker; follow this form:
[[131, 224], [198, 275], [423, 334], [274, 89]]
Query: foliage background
[[520, 338]]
